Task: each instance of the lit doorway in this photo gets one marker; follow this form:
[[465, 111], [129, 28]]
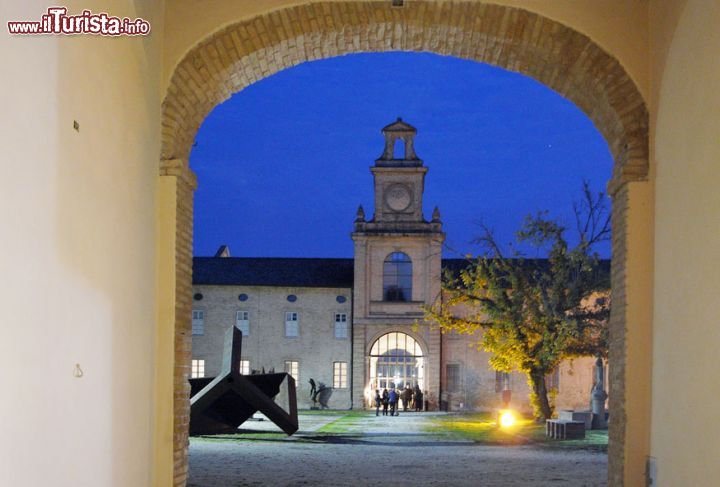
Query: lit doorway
[[396, 361]]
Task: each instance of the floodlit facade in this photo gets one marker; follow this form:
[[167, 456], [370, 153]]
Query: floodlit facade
[[357, 325]]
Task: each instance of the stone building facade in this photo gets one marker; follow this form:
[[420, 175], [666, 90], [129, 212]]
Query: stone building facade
[[357, 324]]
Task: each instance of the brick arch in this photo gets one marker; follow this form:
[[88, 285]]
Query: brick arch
[[553, 54]]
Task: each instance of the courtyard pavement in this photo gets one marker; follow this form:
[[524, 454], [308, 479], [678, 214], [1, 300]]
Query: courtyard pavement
[[382, 451]]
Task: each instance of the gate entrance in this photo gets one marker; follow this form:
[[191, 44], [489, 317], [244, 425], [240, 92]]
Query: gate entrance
[[396, 361]]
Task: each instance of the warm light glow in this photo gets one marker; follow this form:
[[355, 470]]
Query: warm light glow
[[370, 395], [507, 419]]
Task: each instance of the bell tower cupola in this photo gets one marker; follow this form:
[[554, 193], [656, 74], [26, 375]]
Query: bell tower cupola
[[399, 177], [399, 131]]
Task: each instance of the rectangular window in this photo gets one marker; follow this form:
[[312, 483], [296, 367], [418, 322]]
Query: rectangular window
[[242, 321], [552, 380], [198, 322], [502, 381], [340, 375], [453, 377], [341, 325], [198, 368], [245, 367], [292, 367], [291, 325]]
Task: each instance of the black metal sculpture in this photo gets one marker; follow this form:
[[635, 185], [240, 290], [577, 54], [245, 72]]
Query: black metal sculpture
[[221, 404]]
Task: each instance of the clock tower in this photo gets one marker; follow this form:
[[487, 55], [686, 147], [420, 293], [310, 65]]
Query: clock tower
[[399, 178], [399, 186], [397, 271]]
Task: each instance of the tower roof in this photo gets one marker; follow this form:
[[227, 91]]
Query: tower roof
[[399, 126]]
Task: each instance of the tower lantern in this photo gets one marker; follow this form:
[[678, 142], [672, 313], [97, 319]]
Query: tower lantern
[[399, 185], [399, 130]]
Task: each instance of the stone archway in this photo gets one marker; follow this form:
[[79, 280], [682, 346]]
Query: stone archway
[[561, 58], [382, 364]]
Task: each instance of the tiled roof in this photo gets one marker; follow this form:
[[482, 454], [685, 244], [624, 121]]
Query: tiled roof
[[456, 265], [293, 272], [270, 271], [399, 126]]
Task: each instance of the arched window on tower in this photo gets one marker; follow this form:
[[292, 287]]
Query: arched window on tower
[[397, 277]]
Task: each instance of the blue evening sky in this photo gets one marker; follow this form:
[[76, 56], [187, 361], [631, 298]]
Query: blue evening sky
[[283, 165]]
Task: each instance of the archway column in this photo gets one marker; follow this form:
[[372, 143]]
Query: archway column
[[630, 356], [173, 345], [433, 369], [361, 362]]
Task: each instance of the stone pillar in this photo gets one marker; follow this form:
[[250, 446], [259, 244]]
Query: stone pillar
[[630, 351], [409, 148], [178, 183], [166, 224], [360, 365], [433, 369]]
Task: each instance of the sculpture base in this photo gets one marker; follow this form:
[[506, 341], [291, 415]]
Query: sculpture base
[[583, 416]]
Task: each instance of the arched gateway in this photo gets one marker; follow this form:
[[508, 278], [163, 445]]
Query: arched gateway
[[396, 361], [557, 56]]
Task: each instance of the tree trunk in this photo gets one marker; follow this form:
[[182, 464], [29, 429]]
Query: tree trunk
[[539, 397]]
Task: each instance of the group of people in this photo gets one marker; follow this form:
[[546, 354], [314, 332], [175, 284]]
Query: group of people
[[411, 399]]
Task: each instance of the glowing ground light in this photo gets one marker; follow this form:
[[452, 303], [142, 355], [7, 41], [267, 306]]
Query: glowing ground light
[[507, 419]]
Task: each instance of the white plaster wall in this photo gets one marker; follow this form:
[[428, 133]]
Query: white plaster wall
[[77, 251], [685, 429]]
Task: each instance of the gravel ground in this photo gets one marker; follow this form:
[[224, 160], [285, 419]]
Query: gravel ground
[[382, 451]]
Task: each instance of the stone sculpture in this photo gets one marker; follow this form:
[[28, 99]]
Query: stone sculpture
[[598, 397], [320, 394]]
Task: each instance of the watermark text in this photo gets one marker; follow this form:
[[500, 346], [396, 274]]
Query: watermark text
[[56, 21]]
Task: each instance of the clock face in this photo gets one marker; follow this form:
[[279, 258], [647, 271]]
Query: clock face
[[398, 197]]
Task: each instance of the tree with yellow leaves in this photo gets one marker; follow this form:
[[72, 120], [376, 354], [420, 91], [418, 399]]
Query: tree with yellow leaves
[[534, 313]]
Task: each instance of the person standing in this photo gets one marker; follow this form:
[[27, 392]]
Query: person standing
[[393, 400], [418, 398], [385, 401], [378, 402], [407, 396]]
